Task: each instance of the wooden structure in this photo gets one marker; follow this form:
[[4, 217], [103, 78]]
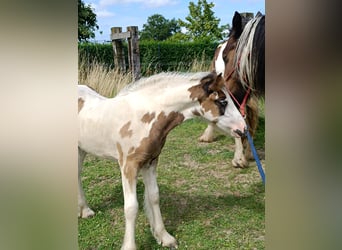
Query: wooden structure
[[117, 37]]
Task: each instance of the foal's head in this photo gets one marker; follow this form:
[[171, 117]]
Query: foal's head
[[216, 105]]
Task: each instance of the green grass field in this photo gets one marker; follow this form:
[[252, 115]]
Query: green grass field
[[205, 202]]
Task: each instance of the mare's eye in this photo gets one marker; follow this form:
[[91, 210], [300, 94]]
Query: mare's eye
[[225, 58]]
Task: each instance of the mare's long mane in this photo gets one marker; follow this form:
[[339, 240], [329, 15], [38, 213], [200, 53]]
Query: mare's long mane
[[249, 59]]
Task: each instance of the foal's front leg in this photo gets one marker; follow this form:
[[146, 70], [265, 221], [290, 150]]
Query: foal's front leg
[[239, 160], [129, 182], [152, 207], [83, 209]]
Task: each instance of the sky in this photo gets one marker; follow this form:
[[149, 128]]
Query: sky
[[123, 13]]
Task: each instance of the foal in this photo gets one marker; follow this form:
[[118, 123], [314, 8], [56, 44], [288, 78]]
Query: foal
[[132, 128]]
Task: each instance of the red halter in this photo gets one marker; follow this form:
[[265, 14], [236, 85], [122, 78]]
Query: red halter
[[242, 105]]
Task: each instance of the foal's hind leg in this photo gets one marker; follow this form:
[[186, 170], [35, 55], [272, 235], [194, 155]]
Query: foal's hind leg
[[152, 207], [83, 209]]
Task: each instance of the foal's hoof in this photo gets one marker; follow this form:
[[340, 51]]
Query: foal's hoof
[[169, 241], [85, 212], [240, 163], [205, 138]]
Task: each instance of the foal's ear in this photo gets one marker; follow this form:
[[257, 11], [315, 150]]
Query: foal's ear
[[237, 25], [218, 83], [207, 81]]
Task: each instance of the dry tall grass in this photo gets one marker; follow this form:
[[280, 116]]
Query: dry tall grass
[[200, 64], [108, 82]]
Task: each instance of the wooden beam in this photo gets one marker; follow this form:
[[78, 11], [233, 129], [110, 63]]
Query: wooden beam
[[134, 52], [122, 35], [119, 56]]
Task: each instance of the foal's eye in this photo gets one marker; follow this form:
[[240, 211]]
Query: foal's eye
[[223, 103]]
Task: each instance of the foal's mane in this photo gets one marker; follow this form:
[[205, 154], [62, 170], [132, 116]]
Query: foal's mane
[[162, 81]]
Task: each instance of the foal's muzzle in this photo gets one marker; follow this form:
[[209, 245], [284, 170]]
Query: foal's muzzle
[[240, 133]]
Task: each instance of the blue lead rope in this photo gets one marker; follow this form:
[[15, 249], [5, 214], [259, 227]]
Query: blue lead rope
[[250, 140]]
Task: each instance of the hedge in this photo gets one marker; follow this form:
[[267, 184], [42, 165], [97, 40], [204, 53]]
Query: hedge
[[155, 56]]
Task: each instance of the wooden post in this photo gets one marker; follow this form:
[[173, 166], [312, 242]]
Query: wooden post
[[134, 52], [246, 16], [119, 56]]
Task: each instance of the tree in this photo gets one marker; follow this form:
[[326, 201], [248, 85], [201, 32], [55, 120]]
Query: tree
[[159, 28], [179, 37], [87, 22], [201, 24]]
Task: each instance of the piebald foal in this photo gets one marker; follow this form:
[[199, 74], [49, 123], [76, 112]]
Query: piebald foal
[[132, 128]]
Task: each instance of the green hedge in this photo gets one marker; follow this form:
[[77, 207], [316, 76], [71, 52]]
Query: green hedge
[[155, 56], [102, 53]]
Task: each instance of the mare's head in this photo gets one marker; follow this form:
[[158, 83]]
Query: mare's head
[[224, 61], [216, 105], [240, 53]]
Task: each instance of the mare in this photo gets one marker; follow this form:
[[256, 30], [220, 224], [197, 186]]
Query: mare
[[132, 128], [242, 61]]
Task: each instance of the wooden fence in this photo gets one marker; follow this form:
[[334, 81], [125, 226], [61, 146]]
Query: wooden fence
[[132, 36]]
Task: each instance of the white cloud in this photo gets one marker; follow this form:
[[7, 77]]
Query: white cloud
[[104, 13], [100, 11], [148, 3]]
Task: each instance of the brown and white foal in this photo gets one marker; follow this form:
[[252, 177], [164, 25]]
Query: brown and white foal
[[132, 128]]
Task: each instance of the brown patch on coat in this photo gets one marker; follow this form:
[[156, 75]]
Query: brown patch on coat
[[196, 113], [201, 91], [125, 131], [147, 118], [131, 150], [150, 147], [209, 105], [80, 104], [204, 91], [118, 146], [131, 170]]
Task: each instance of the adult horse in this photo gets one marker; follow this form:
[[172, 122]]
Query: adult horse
[[132, 128], [242, 61]]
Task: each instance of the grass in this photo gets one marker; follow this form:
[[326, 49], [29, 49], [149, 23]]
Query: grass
[[205, 202]]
